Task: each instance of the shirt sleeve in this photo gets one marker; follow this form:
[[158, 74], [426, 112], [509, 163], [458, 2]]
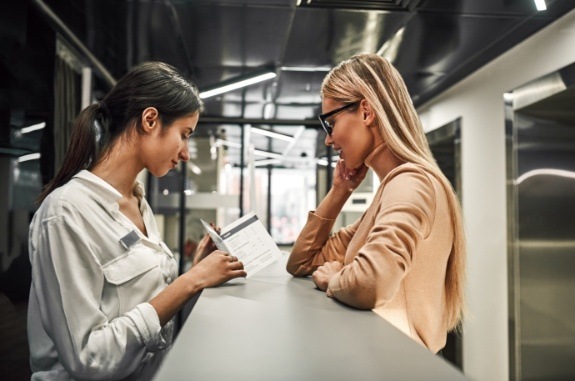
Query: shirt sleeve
[[315, 246], [404, 218], [68, 284]]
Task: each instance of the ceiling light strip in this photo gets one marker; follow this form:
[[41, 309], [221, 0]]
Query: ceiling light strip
[[311, 69], [237, 85], [540, 5], [261, 163], [30, 156], [227, 143], [34, 127], [272, 134], [271, 155]]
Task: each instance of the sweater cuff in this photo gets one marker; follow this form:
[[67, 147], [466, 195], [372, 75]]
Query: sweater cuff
[[328, 293], [147, 322], [311, 215]]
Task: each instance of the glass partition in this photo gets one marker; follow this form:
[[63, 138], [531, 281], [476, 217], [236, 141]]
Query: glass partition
[[233, 170]]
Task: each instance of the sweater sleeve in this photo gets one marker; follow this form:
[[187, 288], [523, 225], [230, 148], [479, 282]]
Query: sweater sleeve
[[404, 217], [315, 246]]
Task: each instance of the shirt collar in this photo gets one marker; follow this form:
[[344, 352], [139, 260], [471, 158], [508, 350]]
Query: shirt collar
[[109, 194]]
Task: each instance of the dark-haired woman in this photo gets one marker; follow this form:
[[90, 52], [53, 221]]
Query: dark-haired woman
[[104, 286]]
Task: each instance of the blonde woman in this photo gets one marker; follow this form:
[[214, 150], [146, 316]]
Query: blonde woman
[[405, 257]]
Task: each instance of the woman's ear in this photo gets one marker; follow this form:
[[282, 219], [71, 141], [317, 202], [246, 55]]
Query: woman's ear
[[367, 111], [150, 119]]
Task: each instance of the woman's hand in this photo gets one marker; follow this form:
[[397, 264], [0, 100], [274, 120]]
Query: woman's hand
[[205, 246], [217, 268], [323, 274], [348, 178]]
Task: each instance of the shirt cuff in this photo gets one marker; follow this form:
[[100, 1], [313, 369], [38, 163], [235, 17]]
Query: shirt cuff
[[147, 322]]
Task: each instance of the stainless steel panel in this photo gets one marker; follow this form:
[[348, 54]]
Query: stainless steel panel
[[541, 159]]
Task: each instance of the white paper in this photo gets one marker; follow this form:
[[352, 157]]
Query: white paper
[[247, 239], [215, 237]]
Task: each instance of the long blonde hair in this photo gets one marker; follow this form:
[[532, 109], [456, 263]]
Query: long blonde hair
[[371, 77]]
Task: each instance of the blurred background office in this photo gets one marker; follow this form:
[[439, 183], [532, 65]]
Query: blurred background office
[[493, 81]]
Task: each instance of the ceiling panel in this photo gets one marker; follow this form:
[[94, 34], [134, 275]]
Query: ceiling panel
[[437, 43]]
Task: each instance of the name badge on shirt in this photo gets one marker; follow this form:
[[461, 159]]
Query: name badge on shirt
[[130, 239]]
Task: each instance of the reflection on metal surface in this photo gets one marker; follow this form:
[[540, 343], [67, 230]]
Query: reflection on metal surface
[[545, 171], [543, 88], [445, 144], [390, 48], [537, 90], [541, 205], [363, 35]]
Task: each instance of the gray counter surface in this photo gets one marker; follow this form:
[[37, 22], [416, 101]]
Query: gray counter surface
[[276, 327]]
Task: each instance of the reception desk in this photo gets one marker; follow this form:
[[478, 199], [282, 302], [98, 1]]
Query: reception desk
[[274, 327]]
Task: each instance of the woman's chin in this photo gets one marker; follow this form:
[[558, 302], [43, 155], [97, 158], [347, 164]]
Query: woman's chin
[[160, 173], [352, 166]]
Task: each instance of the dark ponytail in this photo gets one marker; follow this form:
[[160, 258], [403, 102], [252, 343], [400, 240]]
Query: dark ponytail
[[98, 126], [81, 150]]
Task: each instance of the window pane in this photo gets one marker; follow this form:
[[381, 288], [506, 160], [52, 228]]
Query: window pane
[[293, 196]]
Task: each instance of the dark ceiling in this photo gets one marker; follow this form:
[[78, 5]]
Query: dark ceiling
[[433, 43]]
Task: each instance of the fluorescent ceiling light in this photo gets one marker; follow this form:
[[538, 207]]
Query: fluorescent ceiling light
[[195, 169], [259, 163], [33, 127], [227, 143], [238, 83], [540, 5], [272, 134], [323, 161], [272, 155], [312, 69], [30, 156]]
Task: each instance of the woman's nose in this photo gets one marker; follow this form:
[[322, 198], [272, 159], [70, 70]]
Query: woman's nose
[[328, 140], [185, 153]]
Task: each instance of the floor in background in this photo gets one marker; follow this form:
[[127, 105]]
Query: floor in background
[[14, 353]]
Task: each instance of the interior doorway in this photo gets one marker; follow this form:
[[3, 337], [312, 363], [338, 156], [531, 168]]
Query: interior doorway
[[445, 144]]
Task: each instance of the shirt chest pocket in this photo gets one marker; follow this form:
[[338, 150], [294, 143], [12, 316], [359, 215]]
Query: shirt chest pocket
[[130, 280]]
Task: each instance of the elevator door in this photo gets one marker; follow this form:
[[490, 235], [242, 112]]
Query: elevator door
[[542, 238]]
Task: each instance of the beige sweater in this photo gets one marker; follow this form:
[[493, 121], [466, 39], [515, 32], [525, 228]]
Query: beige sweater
[[394, 256]]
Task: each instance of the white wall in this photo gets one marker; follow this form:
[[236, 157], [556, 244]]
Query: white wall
[[478, 100]]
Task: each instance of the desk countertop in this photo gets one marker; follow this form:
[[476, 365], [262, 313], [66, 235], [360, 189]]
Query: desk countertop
[[276, 327]]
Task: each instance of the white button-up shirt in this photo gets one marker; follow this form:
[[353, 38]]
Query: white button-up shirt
[[89, 316]]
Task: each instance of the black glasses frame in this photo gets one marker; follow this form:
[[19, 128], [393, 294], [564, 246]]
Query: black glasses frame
[[323, 117]]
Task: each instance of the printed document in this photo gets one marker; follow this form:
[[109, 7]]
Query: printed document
[[247, 239]]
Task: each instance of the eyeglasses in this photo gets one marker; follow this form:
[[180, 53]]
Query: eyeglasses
[[323, 117]]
